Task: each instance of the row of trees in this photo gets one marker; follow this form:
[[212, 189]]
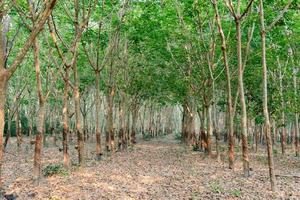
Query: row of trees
[[215, 68]]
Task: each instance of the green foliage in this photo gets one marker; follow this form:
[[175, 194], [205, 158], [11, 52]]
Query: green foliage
[[236, 192], [178, 136], [216, 187], [147, 136], [55, 169]]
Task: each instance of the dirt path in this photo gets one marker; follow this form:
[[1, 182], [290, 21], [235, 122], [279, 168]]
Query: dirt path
[[156, 169]]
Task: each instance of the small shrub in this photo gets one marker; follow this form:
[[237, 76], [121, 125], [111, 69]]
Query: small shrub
[[236, 192], [55, 169], [147, 136], [178, 136], [196, 147], [215, 187]]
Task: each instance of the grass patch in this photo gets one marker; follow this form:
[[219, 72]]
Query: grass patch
[[216, 187], [236, 192], [55, 169]]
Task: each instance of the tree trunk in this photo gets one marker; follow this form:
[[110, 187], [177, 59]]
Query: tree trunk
[[296, 114], [66, 120], [209, 130], [283, 125], [8, 134], [18, 131], [135, 111], [110, 135], [80, 135], [98, 133], [38, 141], [228, 85], [122, 142], [246, 167], [40, 121], [265, 100], [3, 86]]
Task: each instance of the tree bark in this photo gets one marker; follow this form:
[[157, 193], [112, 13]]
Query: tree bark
[[110, 135], [98, 133], [122, 137], [41, 115], [79, 133], [283, 125], [209, 130], [3, 86], [228, 85], [135, 111], [296, 113], [65, 112], [265, 99], [246, 167]]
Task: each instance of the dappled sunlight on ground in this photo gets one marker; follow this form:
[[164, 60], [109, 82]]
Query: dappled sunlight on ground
[[155, 169]]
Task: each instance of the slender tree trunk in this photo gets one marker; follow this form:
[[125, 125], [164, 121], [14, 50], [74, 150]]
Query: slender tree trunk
[[80, 135], [209, 130], [98, 132], [18, 132], [296, 114], [38, 141], [283, 129], [3, 86], [228, 85], [203, 140], [246, 167], [40, 116], [122, 143], [110, 137], [265, 100], [66, 120], [8, 134], [135, 111], [256, 138]]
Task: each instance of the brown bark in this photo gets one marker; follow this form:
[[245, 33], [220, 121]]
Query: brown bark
[[135, 110], [8, 134], [65, 112], [18, 129], [76, 96], [245, 152], [5, 74], [41, 115], [122, 137], [110, 135], [38, 142], [3, 86], [265, 99], [98, 133], [283, 129], [209, 130], [79, 133], [297, 150]]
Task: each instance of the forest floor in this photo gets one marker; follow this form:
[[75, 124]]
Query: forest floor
[[160, 168]]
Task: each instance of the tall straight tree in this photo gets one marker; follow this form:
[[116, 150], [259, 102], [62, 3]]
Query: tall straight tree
[[6, 72], [228, 81], [267, 127], [238, 18], [80, 25], [265, 96]]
